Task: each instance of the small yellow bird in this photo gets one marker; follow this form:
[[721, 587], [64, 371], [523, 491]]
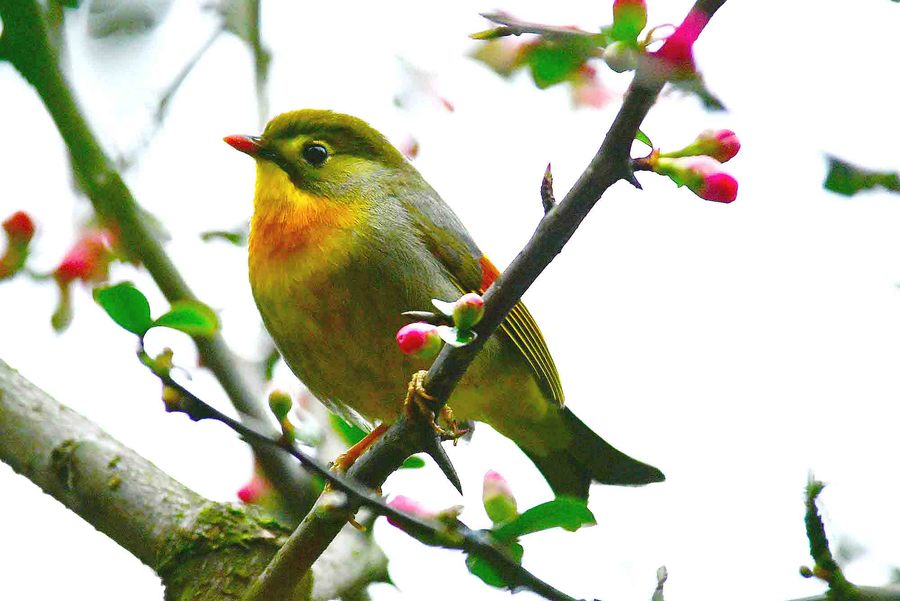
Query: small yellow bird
[[346, 235]]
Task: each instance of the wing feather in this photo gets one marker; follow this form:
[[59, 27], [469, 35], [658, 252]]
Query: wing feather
[[470, 271]]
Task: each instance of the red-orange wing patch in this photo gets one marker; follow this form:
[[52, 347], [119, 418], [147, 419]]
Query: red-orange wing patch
[[489, 273]]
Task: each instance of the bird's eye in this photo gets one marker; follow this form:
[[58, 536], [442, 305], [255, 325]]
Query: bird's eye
[[315, 154]]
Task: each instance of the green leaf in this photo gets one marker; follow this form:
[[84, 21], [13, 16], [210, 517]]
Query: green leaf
[[554, 60], [642, 137], [238, 236], [126, 305], [269, 364], [412, 463], [191, 317], [484, 570], [562, 512], [443, 306], [848, 179], [350, 433], [456, 337]]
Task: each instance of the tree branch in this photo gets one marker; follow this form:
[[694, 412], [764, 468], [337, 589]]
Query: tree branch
[[611, 164], [280, 577], [201, 549], [26, 45]]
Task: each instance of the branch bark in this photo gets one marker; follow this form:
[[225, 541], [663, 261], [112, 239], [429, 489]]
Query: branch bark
[[26, 45], [202, 550]]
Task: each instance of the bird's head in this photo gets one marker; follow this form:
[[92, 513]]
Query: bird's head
[[323, 154]]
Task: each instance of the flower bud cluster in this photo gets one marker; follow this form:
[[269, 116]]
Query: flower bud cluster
[[699, 165]]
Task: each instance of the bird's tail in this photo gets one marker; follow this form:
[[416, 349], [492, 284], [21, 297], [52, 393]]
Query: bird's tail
[[587, 458]]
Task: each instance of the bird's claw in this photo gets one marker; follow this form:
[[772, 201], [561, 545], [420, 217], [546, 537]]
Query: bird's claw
[[417, 404]]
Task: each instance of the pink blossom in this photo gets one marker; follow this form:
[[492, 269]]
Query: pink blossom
[[88, 259], [411, 506], [498, 499], [420, 340], [468, 311], [703, 175], [19, 227], [678, 49]]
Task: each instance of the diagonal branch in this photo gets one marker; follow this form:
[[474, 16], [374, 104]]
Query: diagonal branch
[[611, 164], [455, 535], [25, 44]]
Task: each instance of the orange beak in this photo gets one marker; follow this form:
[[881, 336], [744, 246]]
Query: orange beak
[[251, 145]]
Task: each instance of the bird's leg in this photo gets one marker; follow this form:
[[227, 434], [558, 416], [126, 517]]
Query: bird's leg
[[343, 461], [417, 402]]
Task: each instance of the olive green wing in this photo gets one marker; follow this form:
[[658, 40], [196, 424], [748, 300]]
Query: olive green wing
[[471, 271]]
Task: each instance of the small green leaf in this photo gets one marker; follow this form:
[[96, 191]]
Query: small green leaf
[[456, 337], [412, 463], [554, 61], [848, 179], [191, 317], [642, 137], [126, 305], [350, 433], [443, 306], [238, 236], [269, 364], [484, 570], [563, 512]]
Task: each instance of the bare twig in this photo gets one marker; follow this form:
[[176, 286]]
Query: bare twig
[[27, 47], [611, 164], [280, 575]]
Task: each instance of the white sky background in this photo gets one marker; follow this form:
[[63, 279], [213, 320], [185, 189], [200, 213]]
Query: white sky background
[[736, 347]]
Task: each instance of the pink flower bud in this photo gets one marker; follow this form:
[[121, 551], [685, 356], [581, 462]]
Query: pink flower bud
[[254, 491], [629, 18], [410, 506], [722, 145], [719, 187], [88, 259], [499, 502], [701, 174], [19, 227], [677, 52], [420, 340], [468, 311]]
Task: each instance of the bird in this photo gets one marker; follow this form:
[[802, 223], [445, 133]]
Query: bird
[[346, 235]]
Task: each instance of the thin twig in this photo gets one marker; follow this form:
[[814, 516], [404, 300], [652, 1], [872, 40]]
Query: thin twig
[[454, 535], [611, 163]]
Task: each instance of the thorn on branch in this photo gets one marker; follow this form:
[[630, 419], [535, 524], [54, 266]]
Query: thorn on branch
[[547, 198], [631, 179], [434, 450]]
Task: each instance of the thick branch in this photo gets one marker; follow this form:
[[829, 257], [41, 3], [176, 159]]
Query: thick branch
[[611, 163], [202, 550], [26, 45]]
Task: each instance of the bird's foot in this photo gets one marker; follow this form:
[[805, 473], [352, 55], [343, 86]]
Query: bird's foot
[[455, 432], [343, 461], [418, 403]]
